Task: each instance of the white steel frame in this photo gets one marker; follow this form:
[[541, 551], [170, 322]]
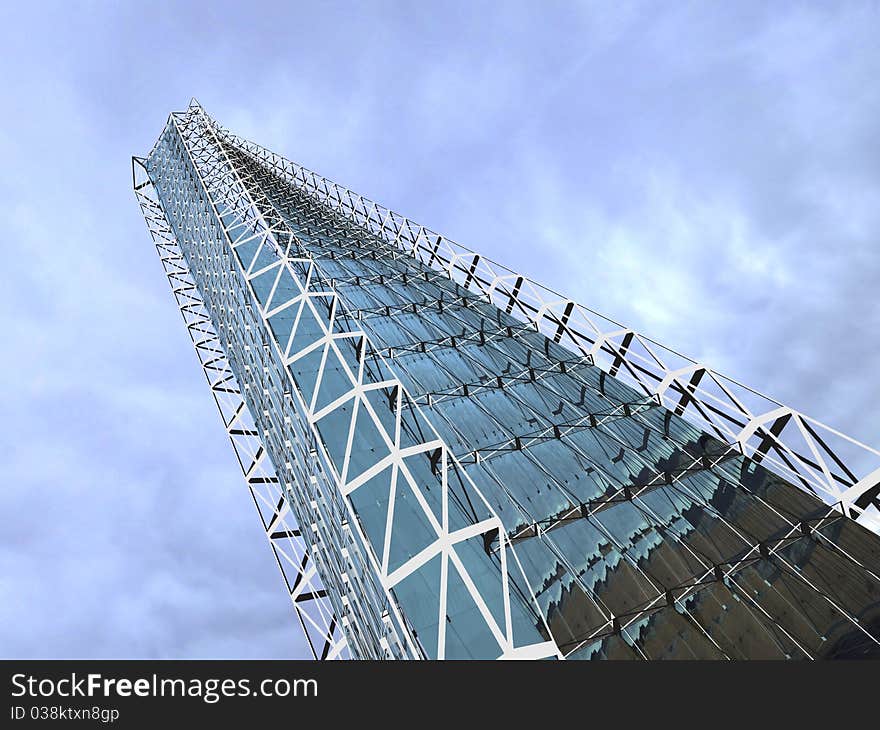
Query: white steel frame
[[222, 182], [840, 470], [291, 552]]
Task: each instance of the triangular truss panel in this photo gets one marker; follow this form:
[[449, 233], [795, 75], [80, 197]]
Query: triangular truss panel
[[291, 551], [252, 269], [452, 461], [839, 469]]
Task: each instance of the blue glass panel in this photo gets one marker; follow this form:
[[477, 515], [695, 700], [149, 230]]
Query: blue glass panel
[[333, 429], [370, 501], [467, 634], [420, 593], [411, 532], [263, 285]]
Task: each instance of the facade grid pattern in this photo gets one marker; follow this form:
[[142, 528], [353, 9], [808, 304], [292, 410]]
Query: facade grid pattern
[[453, 462]]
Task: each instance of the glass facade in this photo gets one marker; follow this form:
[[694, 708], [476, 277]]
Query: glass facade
[[472, 487]]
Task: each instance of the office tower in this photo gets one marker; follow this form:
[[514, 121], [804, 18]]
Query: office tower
[[451, 461]]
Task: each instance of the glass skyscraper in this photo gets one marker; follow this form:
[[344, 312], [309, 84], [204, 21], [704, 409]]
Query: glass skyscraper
[[451, 461]]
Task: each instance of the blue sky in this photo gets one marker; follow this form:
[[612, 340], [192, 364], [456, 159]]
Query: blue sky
[[708, 173]]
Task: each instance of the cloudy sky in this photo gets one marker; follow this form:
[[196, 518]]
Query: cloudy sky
[[707, 173]]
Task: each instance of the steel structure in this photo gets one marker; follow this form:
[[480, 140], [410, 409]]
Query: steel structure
[[452, 461]]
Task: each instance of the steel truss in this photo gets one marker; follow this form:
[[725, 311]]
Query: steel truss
[[837, 468], [291, 551], [283, 280], [341, 346]]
